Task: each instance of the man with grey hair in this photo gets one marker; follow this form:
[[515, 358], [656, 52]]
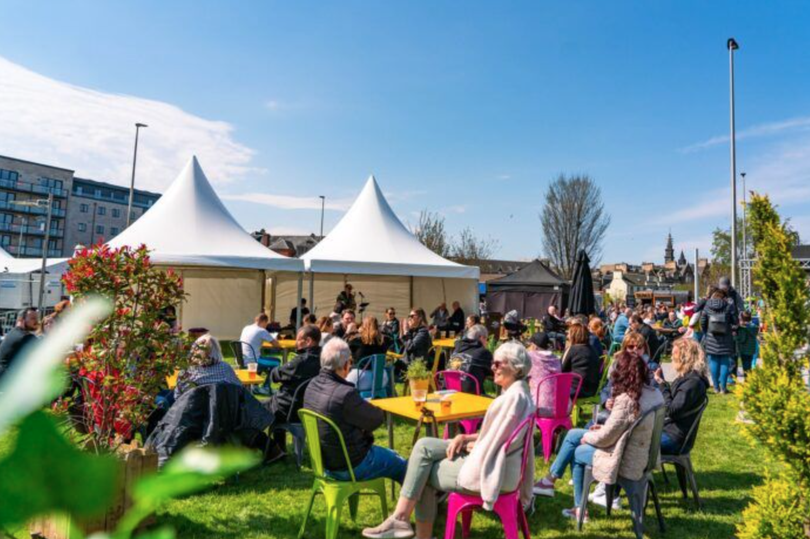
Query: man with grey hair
[[472, 356], [330, 395]]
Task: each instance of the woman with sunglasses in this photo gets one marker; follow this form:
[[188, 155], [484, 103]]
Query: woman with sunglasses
[[610, 448], [468, 462], [416, 338]]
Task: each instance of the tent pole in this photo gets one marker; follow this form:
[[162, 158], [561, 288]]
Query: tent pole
[[263, 278], [311, 291], [411, 305], [273, 281], [298, 302], [180, 314]]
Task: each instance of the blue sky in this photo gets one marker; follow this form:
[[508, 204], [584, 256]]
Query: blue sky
[[465, 108]]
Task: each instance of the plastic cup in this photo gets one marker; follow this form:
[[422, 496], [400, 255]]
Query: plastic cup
[[420, 396], [252, 369], [447, 403]]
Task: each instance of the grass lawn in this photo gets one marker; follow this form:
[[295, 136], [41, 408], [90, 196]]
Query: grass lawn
[[270, 502]]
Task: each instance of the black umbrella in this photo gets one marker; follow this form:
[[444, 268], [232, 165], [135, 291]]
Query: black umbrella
[[581, 300]]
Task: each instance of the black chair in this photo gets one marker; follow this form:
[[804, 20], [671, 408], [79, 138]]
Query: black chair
[[682, 461], [294, 426], [236, 348], [638, 492]]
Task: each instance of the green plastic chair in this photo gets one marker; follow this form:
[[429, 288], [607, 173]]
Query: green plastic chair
[[607, 362], [335, 492]]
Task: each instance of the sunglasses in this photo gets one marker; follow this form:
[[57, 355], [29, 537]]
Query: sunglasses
[[413, 315], [497, 365]]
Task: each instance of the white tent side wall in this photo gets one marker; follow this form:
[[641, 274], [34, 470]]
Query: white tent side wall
[[222, 300], [429, 292]]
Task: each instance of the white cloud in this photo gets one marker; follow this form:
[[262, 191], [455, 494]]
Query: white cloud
[[288, 231], [761, 130], [504, 177], [92, 132], [288, 202], [455, 209], [712, 204], [272, 105]]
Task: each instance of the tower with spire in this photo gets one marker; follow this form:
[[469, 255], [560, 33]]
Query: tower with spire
[[669, 252]]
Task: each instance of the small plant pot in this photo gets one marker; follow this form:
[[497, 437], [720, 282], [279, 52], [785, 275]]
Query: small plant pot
[[419, 384]]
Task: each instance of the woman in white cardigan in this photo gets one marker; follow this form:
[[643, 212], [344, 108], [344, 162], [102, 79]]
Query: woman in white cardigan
[[471, 463]]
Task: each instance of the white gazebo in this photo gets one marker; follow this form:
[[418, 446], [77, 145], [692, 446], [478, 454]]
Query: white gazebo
[[20, 280], [227, 274], [371, 249]]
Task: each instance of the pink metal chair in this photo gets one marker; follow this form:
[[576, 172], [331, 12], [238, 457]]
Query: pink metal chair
[[507, 507], [455, 380], [553, 401]]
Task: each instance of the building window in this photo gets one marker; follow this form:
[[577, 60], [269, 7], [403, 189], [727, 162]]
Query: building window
[[53, 244], [51, 182], [36, 243], [116, 213], [82, 227], [113, 231], [99, 229], [6, 218], [8, 175], [84, 208], [5, 240], [102, 210]]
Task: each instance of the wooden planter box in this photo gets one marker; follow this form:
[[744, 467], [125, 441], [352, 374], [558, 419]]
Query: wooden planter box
[[136, 463]]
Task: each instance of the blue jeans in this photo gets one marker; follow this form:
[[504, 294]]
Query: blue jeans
[[576, 454], [379, 462], [719, 366], [668, 445]]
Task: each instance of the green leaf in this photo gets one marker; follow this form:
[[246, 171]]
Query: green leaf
[[44, 473], [160, 533], [193, 469]]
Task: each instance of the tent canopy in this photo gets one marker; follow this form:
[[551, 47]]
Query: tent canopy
[[529, 290], [371, 240], [531, 275], [190, 226]]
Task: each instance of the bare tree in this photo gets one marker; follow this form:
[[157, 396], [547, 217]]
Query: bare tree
[[431, 232], [470, 248], [573, 219]]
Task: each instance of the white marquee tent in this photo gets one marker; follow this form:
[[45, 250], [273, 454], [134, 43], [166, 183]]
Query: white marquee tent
[[225, 270], [20, 279], [371, 249]]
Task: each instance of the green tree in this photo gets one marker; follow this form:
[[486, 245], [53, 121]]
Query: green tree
[[775, 396]]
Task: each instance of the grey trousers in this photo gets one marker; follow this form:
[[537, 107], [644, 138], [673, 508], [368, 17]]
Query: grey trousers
[[429, 470]]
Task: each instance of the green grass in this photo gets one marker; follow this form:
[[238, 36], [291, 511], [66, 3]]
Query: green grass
[[270, 502]]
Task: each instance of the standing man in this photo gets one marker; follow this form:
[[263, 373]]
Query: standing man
[[253, 336], [294, 312], [346, 298], [18, 338], [733, 297]]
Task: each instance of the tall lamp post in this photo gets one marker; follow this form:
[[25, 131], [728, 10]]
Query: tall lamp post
[[39, 203], [733, 46], [323, 206], [744, 229], [132, 182]]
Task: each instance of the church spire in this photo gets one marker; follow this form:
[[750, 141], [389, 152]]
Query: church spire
[[682, 259], [669, 253]]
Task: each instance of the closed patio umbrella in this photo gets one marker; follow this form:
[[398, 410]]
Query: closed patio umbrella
[[581, 300]]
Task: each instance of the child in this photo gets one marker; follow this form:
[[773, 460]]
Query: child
[[746, 339]]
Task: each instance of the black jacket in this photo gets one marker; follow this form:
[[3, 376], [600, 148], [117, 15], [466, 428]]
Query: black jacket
[[330, 395], [236, 415], [417, 343], [360, 350], [582, 360], [553, 324], [456, 321], [477, 361], [683, 397], [653, 342], [12, 346], [303, 367], [713, 343]]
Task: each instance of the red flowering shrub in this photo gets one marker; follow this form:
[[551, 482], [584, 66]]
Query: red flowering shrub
[[126, 358]]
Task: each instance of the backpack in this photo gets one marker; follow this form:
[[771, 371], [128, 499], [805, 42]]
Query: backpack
[[718, 324]]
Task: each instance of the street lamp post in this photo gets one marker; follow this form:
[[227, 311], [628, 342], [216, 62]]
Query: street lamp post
[[39, 203], [132, 182], [733, 46], [323, 206], [744, 229]]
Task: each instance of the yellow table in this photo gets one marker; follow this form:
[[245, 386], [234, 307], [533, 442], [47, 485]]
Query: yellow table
[[286, 345], [449, 342], [242, 374]]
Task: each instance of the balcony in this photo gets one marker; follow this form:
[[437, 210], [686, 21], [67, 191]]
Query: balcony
[[31, 251], [33, 188], [34, 210], [30, 230]]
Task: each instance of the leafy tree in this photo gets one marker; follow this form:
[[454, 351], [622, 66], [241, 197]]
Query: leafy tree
[[775, 396], [573, 219], [465, 249]]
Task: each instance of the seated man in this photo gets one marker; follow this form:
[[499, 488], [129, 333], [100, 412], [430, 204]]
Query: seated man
[[473, 357], [294, 313], [456, 321], [302, 368], [554, 326], [621, 325], [330, 395], [253, 336]]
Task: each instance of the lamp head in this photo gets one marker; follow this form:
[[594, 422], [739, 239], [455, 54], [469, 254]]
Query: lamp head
[[732, 44], [139, 125]]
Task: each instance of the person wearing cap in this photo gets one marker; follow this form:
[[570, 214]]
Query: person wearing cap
[[732, 296], [544, 364], [18, 338]]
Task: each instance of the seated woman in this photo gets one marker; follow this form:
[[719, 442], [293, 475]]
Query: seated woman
[[582, 359], [597, 335], [369, 341], [544, 363], [685, 395], [326, 327], [468, 462], [205, 367], [609, 448]]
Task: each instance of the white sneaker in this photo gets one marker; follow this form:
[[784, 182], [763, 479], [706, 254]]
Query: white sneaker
[[601, 500], [598, 491], [390, 529]]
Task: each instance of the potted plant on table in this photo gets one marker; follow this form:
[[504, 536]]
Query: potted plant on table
[[418, 376]]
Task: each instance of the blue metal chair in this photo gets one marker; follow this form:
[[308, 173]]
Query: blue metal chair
[[378, 367]]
